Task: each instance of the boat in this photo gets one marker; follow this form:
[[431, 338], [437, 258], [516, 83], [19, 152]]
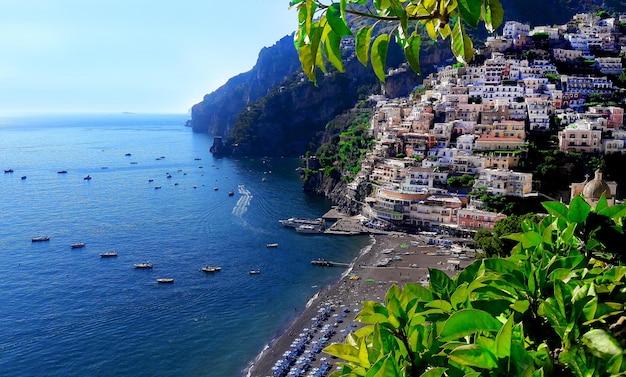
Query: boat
[[9, 170], [108, 254], [310, 229], [143, 265], [271, 245], [87, 177], [127, 154], [23, 177], [78, 245], [211, 268], [263, 179], [157, 187], [40, 239], [294, 222], [254, 272], [231, 193], [165, 280], [62, 172], [215, 188]]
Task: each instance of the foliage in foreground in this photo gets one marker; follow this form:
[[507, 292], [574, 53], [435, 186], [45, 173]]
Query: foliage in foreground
[[545, 310], [321, 28]]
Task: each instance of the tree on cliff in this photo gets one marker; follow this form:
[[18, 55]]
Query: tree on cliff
[[321, 28]]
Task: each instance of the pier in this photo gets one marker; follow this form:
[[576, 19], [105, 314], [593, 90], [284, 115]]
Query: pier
[[328, 263]]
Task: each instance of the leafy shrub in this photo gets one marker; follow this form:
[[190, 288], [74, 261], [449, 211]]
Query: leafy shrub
[[542, 311]]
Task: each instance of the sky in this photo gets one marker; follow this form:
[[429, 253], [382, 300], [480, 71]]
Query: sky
[[144, 56]]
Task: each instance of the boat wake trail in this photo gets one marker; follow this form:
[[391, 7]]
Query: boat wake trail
[[244, 201]]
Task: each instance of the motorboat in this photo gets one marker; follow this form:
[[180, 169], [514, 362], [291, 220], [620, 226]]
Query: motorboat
[[294, 222], [78, 245], [254, 272], [271, 245], [9, 170], [143, 265], [231, 193], [40, 239], [310, 229], [165, 280], [87, 177], [23, 177], [62, 172], [211, 268], [108, 254]]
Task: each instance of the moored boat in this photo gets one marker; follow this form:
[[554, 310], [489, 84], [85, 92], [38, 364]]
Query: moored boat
[[108, 254], [165, 280], [78, 245], [294, 222], [211, 268], [310, 229], [143, 265], [40, 239]]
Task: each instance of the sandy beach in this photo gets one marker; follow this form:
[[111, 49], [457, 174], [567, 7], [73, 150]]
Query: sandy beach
[[394, 258]]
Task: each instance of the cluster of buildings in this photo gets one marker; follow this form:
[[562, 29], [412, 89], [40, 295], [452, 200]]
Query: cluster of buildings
[[473, 120]]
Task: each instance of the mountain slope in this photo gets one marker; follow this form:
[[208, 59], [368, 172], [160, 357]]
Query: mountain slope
[[273, 109]]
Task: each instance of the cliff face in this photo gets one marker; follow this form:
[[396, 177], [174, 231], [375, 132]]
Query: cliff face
[[218, 111]]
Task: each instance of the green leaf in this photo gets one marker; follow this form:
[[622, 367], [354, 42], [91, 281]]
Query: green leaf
[[494, 15], [344, 351], [337, 23], [601, 343], [362, 44], [503, 339], [614, 212], [470, 11], [387, 367], [578, 210], [412, 51], [440, 283], [556, 209], [462, 46], [333, 50], [379, 55], [474, 355], [466, 322], [434, 372]]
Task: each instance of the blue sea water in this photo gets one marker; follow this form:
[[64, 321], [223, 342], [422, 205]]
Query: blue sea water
[[68, 312]]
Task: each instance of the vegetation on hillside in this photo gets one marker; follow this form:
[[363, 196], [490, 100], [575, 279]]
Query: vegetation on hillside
[[348, 141]]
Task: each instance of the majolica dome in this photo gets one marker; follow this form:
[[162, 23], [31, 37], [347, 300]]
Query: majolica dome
[[594, 189]]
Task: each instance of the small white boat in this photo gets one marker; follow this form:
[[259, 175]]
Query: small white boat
[[78, 245], [143, 265], [211, 268], [108, 254], [165, 280], [40, 239], [254, 272], [271, 245], [310, 229]]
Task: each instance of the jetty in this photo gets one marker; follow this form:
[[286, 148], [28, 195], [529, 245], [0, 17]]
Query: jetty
[[328, 263]]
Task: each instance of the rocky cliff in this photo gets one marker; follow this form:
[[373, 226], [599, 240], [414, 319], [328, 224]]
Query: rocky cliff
[[218, 111]]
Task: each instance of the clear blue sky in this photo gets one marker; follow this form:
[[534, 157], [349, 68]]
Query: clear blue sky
[[129, 55]]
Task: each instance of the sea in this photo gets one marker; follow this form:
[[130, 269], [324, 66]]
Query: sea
[[156, 194]]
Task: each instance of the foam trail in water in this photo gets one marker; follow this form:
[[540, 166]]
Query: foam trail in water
[[244, 201]]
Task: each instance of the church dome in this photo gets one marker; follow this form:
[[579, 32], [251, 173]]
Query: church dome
[[594, 189]]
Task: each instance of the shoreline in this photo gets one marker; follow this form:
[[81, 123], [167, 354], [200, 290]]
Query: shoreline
[[392, 258]]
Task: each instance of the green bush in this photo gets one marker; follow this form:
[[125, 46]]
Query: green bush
[[545, 310]]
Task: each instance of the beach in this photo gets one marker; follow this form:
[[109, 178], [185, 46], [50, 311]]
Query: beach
[[391, 258]]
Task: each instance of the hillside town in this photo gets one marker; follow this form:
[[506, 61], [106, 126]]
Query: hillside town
[[474, 120]]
